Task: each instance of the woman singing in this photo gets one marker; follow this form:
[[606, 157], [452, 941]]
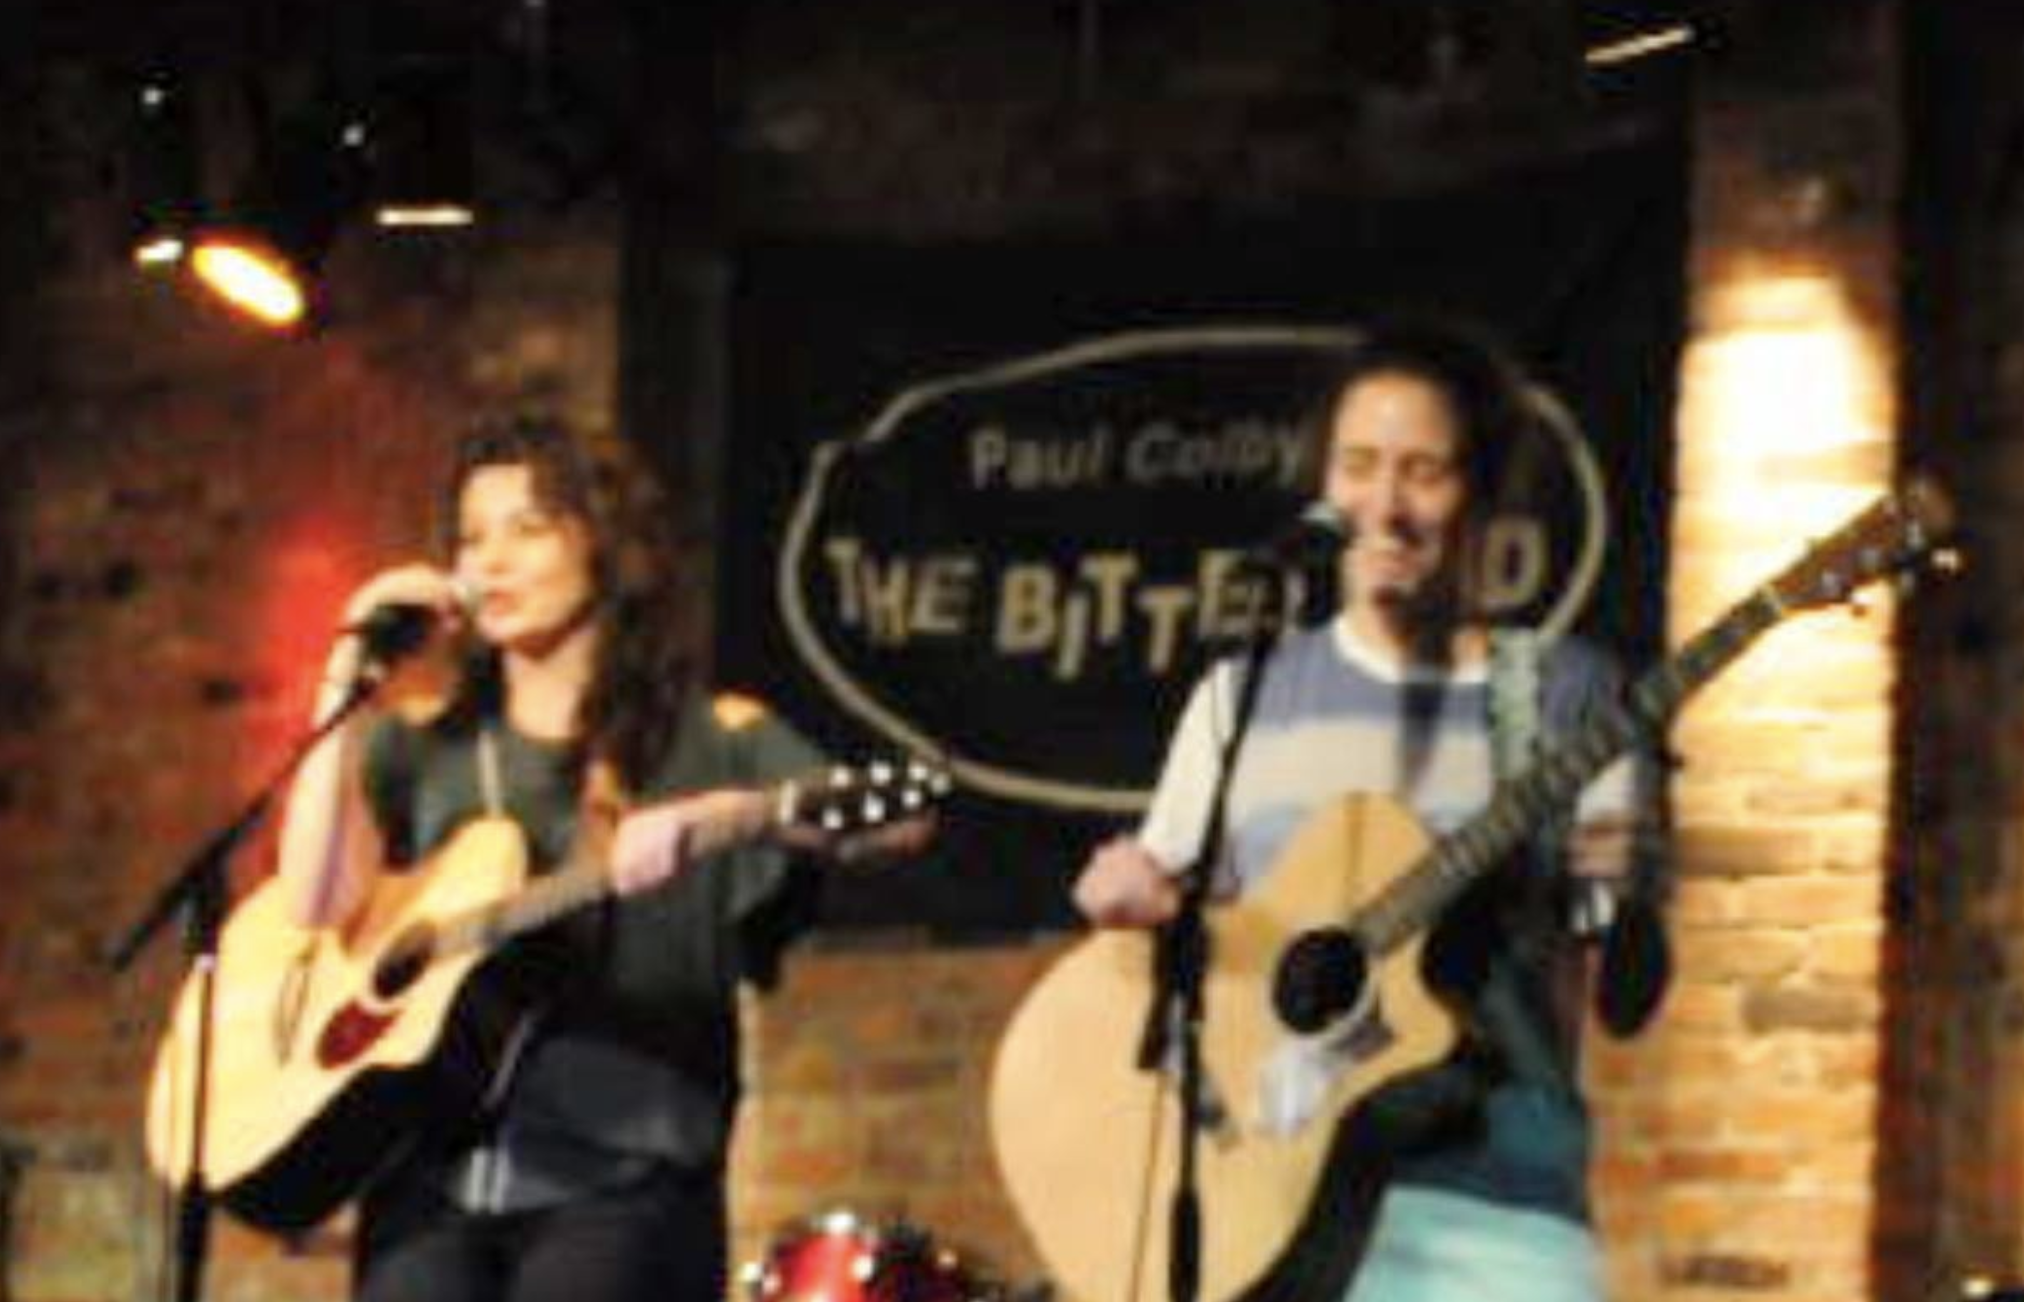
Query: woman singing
[[555, 691]]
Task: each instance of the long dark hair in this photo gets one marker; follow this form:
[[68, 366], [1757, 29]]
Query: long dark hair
[[645, 657]]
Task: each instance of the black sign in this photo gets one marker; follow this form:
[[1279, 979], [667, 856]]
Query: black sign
[[1066, 534], [986, 501]]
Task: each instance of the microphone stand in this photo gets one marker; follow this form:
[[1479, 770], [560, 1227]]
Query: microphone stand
[[198, 891], [1181, 961]]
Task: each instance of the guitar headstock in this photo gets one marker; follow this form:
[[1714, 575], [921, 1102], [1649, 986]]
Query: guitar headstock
[[844, 799], [1901, 533]]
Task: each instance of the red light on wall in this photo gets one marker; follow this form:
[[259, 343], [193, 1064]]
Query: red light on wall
[[309, 572]]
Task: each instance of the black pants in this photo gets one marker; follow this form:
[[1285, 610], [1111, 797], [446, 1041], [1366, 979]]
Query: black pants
[[658, 1240]]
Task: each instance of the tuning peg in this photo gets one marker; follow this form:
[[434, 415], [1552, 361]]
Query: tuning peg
[[1944, 562], [932, 776]]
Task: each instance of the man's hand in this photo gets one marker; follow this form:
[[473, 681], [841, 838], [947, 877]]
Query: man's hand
[[1601, 848], [1124, 886]]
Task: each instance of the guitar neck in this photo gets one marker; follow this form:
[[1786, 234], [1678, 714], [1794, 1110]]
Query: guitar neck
[[838, 801], [582, 879], [1412, 901], [580, 882]]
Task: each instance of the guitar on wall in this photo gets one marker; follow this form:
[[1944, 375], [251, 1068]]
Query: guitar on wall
[[1082, 1129], [328, 1045]]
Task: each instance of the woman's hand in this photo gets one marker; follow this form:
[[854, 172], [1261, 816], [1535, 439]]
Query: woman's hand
[[655, 844], [1124, 886], [417, 681], [658, 843], [417, 584]]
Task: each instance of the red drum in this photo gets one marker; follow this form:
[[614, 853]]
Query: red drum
[[840, 1257]]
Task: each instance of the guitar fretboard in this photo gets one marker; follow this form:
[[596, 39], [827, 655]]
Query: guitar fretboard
[[1418, 895], [843, 800], [580, 880], [576, 884]]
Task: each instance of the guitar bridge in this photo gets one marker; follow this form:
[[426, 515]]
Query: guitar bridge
[[290, 1000], [1363, 1037]]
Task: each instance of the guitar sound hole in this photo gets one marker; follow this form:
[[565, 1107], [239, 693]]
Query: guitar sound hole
[[404, 962], [1321, 977]]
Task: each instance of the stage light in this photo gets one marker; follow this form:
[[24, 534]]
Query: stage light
[[264, 259], [250, 276], [1639, 45], [159, 250], [161, 157], [1615, 33], [392, 142], [419, 146]]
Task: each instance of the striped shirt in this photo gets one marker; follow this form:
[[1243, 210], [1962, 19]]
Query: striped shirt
[[1334, 715]]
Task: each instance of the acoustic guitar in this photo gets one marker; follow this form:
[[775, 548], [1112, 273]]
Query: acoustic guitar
[[1083, 1129], [331, 1049]]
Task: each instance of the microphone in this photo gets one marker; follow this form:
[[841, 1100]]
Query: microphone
[[1319, 532], [397, 629]]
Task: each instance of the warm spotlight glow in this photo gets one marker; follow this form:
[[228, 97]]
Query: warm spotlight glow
[[1785, 424], [1785, 432], [1796, 378], [254, 281]]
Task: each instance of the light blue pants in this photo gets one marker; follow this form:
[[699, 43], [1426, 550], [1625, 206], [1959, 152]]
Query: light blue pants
[[1430, 1246]]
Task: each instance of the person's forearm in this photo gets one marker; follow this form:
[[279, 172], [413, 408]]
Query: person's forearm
[[323, 846]]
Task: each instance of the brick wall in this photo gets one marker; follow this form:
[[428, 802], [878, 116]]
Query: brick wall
[[197, 498], [1743, 1137], [194, 509], [869, 1073]]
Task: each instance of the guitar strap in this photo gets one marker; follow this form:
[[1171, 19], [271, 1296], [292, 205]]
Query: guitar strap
[[599, 808], [481, 1175], [1514, 699], [482, 1180], [491, 787], [1623, 922], [1517, 690], [1516, 693]]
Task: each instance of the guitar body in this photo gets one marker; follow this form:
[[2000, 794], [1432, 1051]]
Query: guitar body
[[322, 1068], [333, 1051], [1086, 1140]]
